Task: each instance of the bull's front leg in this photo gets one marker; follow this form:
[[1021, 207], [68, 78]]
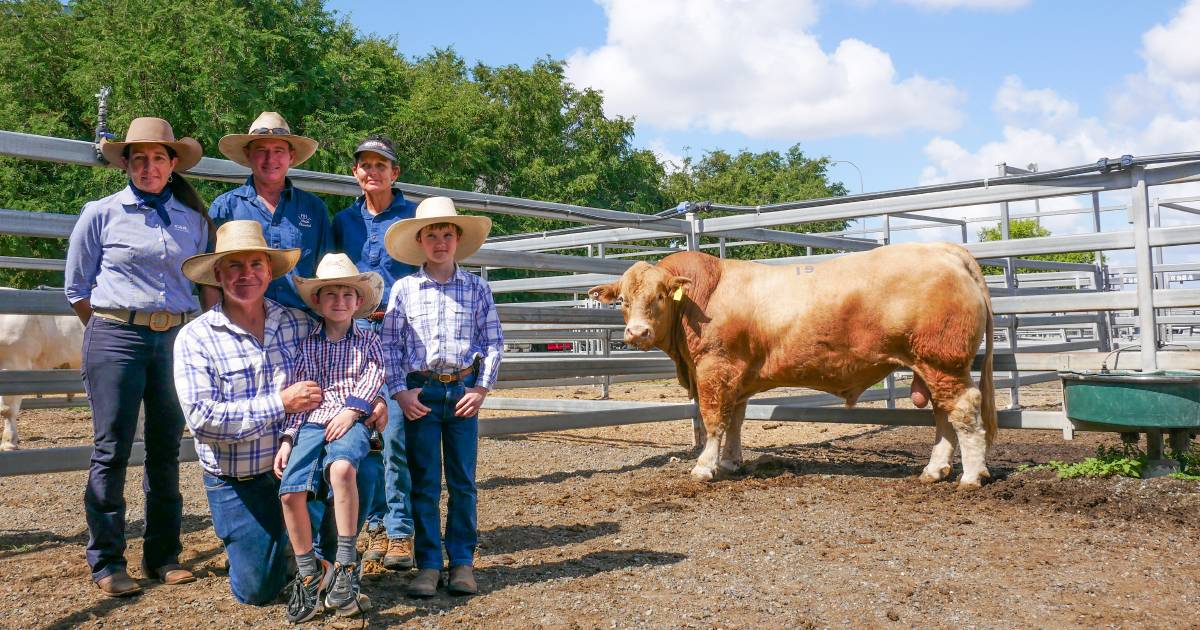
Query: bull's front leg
[[717, 403], [731, 449], [10, 406]]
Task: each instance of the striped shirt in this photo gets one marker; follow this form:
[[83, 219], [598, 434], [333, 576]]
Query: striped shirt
[[442, 328], [349, 371], [229, 384]]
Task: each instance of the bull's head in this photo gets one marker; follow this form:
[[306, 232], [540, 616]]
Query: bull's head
[[649, 297]]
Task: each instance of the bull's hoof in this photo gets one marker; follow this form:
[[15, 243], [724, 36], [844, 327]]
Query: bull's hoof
[[701, 473], [934, 475], [972, 483], [8, 446], [969, 485]]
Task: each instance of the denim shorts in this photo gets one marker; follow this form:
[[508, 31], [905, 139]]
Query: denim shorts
[[308, 465]]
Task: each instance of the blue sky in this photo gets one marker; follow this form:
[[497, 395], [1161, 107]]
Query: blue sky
[[911, 91]]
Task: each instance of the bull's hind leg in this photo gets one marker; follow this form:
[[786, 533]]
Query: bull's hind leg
[[972, 436], [731, 450], [939, 465]]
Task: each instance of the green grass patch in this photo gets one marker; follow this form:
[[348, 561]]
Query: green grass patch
[[1122, 461]]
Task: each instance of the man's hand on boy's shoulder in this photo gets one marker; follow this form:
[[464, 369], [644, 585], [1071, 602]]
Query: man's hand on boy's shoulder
[[340, 424], [281, 457], [471, 401], [411, 405]]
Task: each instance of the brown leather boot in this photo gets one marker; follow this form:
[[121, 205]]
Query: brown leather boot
[[170, 574], [118, 584], [462, 580], [399, 554], [425, 584], [377, 545]]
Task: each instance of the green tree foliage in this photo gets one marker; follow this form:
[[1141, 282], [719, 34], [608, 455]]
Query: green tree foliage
[[754, 179], [209, 66], [1030, 228]]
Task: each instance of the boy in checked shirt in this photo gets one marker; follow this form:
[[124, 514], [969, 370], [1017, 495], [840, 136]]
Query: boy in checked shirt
[[327, 444], [444, 342]]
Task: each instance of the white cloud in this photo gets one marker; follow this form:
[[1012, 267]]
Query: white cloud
[[670, 160], [1170, 54], [943, 5], [753, 68]]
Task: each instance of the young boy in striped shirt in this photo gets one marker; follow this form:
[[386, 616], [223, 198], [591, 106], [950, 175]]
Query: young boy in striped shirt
[[324, 447]]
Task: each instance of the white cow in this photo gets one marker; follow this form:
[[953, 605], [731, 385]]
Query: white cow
[[34, 342]]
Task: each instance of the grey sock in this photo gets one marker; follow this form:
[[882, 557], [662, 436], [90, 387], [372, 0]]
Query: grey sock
[[306, 563], [346, 553]]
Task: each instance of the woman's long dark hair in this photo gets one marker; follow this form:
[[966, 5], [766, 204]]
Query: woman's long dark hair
[[183, 190]]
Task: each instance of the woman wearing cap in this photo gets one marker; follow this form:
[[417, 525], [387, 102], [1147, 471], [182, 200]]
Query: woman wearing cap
[[124, 282], [359, 232]]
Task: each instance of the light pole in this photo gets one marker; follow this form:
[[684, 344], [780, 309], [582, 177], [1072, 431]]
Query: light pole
[[861, 189]]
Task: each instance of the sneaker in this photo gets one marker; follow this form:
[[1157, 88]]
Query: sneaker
[[306, 593], [344, 596], [399, 554], [377, 545]]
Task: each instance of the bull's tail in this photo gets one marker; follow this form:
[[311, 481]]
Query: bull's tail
[[986, 386]]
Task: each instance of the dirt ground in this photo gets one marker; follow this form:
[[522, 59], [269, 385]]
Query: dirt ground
[[826, 526]]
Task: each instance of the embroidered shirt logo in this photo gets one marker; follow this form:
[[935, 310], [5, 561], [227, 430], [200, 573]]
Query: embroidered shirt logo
[[305, 221]]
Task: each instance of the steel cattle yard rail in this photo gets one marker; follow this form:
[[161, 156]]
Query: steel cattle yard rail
[[1015, 306]]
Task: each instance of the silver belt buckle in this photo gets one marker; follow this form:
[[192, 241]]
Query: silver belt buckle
[[160, 321]]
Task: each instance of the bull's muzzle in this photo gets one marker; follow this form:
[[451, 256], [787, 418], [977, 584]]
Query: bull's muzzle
[[637, 335]]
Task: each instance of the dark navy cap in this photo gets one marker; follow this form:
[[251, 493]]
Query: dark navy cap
[[375, 145]]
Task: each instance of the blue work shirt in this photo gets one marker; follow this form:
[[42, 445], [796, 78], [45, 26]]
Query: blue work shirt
[[122, 255], [359, 234], [300, 220]]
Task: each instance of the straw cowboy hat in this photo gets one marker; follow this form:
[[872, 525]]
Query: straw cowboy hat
[[339, 269], [401, 238], [267, 125], [158, 131], [234, 237]]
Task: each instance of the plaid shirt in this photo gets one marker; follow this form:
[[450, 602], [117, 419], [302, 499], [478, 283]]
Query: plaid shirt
[[442, 328], [229, 383], [349, 371]]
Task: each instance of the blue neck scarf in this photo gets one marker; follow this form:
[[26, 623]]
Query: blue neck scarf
[[158, 201]]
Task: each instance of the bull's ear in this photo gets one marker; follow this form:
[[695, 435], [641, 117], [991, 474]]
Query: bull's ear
[[606, 293], [679, 285]]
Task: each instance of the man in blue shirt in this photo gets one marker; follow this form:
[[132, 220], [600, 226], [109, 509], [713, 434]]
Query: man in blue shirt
[[358, 231], [290, 217]]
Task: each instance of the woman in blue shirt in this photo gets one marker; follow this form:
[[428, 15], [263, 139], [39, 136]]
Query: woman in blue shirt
[[124, 281]]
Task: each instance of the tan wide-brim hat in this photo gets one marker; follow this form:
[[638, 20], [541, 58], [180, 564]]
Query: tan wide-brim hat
[[339, 269], [234, 237], [401, 238], [158, 131], [267, 125]]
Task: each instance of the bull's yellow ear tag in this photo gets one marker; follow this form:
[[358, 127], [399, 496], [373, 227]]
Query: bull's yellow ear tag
[[678, 294]]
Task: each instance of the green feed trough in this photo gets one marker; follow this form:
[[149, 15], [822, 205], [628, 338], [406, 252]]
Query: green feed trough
[[1163, 399]]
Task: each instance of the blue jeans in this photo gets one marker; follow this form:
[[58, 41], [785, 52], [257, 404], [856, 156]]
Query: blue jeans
[[390, 505], [124, 366], [308, 464], [438, 432], [248, 518]]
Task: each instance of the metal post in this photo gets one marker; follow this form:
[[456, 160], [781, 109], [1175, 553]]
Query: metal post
[[1010, 281], [1139, 207], [721, 247], [699, 435], [1103, 330], [887, 229], [606, 351]]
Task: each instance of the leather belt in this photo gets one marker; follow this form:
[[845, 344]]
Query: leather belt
[[157, 321], [446, 378]]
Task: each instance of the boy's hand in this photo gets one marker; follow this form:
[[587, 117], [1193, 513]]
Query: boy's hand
[[281, 457], [301, 397], [379, 415], [409, 403], [471, 401], [340, 424]]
